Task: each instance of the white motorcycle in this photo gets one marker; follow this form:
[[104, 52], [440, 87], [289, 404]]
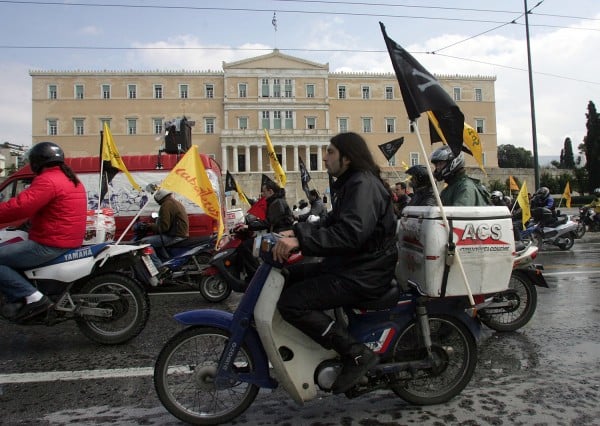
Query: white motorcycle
[[84, 285]]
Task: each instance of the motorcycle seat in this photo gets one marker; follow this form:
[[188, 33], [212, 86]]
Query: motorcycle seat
[[190, 242], [388, 300], [561, 220]]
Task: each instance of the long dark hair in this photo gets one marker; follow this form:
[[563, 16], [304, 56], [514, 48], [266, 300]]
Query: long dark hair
[[352, 146], [69, 173]]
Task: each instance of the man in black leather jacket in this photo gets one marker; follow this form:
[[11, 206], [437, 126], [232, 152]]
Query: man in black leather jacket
[[357, 241]]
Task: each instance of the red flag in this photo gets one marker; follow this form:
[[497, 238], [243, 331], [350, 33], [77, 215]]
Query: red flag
[[259, 209]]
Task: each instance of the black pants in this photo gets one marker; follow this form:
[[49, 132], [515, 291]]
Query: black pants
[[302, 302]]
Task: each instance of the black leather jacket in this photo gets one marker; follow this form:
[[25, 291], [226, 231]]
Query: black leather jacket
[[357, 239], [279, 216]]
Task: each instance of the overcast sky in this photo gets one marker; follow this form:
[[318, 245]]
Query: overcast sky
[[482, 37]]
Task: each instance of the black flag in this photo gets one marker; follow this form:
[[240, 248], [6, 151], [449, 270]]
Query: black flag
[[422, 92], [266, 179], [230, 182], [304, 176], [390, 148]]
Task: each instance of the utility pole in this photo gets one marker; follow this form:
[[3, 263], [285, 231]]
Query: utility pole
[[536, 165]]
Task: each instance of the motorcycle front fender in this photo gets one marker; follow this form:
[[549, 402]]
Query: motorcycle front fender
[[456, 307], [224, 321]]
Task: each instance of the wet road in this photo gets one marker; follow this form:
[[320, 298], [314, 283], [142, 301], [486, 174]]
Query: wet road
[[547, 373]]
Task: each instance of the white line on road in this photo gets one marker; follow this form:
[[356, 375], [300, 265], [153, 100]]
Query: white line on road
[[575, 272], [52, 376]]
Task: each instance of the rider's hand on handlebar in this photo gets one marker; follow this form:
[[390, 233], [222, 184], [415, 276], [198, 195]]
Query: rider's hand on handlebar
[[284, 247]]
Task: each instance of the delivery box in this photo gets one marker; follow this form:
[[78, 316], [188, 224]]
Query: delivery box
[[481, 236]]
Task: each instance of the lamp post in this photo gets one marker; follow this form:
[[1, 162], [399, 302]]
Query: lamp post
[[536, 166]]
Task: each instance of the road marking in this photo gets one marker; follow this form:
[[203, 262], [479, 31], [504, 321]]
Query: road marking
[[53, 376], [550, 274]]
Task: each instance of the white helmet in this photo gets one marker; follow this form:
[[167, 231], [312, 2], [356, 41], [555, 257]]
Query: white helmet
[[161, 194]]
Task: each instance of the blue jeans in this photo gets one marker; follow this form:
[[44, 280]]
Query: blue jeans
[[159, 242], [19, 257]]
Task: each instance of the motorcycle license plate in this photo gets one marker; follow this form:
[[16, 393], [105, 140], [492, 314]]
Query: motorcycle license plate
[[150, 266]]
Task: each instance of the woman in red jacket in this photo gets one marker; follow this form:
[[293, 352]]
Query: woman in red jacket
[[56, 205]]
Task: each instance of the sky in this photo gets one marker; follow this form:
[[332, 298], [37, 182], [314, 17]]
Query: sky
[[448, 37]]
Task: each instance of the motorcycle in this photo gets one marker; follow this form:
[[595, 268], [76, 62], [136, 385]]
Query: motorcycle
[[84, 285], [545, 228], [229, 269], [511, 309], [210, 372], [187, 259], [587, 218]]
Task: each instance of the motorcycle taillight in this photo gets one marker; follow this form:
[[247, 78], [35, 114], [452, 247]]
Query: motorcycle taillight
[[148, 250]]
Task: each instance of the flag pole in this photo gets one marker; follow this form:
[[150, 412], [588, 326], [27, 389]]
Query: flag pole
[[101, 170], [133, 221], [438, 200]]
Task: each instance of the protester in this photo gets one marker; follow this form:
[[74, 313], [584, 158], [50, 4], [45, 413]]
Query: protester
[[56, 205], [357, 242]]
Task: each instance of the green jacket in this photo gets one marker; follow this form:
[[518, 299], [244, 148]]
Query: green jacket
[[463, 190]]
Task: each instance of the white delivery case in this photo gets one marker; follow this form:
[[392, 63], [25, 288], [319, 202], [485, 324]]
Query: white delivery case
[[483, 239], [100, 226]]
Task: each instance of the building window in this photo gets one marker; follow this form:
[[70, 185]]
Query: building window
[[209, 125], [311, 123], [265, 88], [132, 91], [52, 127], [389, 92], [158, 126], [457, 93], [341, 92], [52, 91], [411, 127], [414, 158], [480, 125], [289, 120], [183, 91], [392, 160], [366, 92], [106, 91], [266, 122], [209, 89], [78, 124], [132, 126], [242, 123], [104, 121], [277, 119], [366, 125], [242, 90], [158, 91], [478, 95], [310, 90], [276, 88], [312, 163], [390, 125], [288, 88], [79, 92], [342, 125]]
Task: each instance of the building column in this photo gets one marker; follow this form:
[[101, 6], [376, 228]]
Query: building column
[[320, 157], [224, 157], [296, 163], [307, 157], [284, 157], [259, 158], [235, 158], [247, 158]]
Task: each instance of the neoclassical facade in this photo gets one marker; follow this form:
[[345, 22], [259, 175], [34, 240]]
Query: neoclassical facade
[[301, 104]]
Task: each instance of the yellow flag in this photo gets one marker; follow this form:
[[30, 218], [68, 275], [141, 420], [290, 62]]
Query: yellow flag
[[567, 195], [523, 201], [111, 154], [405, 166], [279, 173], [472, 141], [189, 178], [512, 185]]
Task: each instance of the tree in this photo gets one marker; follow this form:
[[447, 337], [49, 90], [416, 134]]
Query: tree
[[567, 160], [591, 147], [509, 156]]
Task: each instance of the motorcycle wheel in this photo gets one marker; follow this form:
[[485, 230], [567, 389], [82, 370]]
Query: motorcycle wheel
[[184, 378], [523, 298], [455, 352], [129, 313], [568, 241], [214, 288]]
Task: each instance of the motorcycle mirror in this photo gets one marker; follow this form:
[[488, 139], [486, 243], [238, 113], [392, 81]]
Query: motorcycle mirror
[[154, 215], [151, 187]]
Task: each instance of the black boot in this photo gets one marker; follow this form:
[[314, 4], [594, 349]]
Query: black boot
[[357, 358]]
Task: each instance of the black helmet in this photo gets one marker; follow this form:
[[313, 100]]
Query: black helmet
[[597, 192], [453, 163], [497, 198], [543, 192], [45, 154], [418, 176]]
